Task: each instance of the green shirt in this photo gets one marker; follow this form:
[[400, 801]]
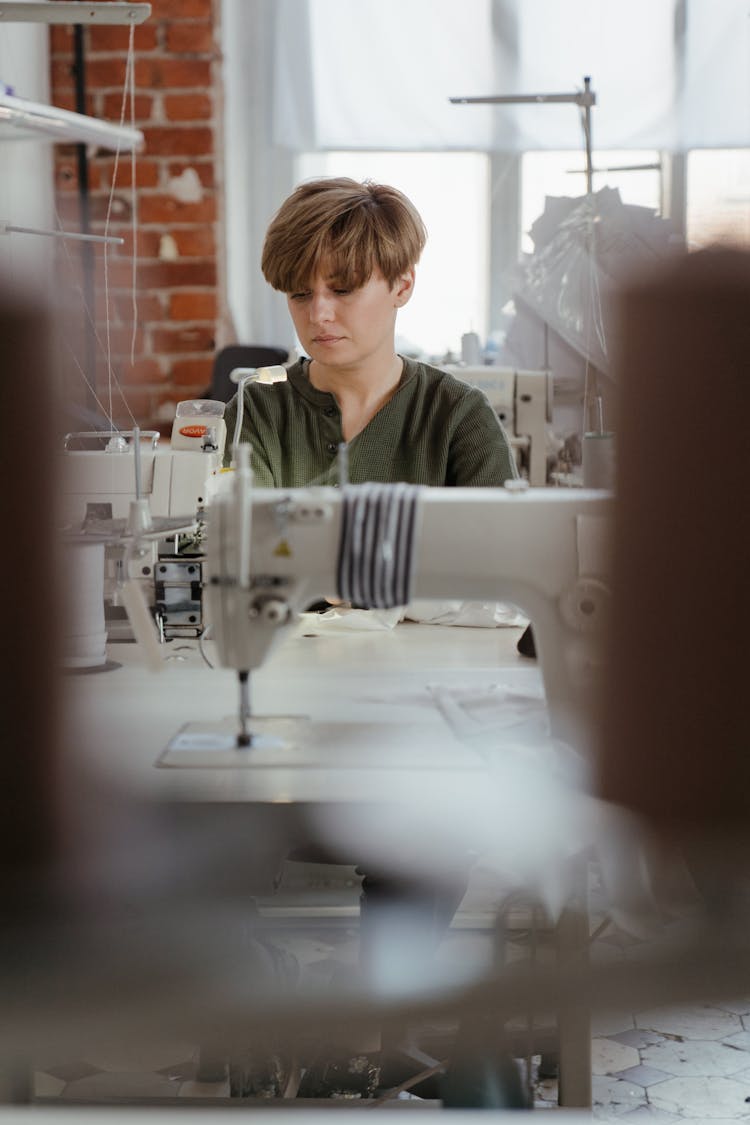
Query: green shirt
[[434, 430]]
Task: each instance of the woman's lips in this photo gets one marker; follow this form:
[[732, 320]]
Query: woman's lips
[[327, 339]]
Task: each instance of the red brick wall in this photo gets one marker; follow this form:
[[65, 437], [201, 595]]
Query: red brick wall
[[180, 297]]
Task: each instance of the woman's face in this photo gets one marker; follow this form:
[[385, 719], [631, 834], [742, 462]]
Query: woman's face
[[341, 327]]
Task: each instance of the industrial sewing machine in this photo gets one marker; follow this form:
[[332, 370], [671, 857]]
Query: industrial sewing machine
[[271, 553], [522, 401], [145, 504]]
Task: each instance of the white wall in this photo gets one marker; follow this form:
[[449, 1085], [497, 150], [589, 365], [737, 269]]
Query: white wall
[[26, 187]]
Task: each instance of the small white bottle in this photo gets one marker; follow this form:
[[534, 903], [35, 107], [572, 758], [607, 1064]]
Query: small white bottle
[[199, 425]]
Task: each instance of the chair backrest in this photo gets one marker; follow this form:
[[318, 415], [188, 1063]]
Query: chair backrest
[[240, 355]]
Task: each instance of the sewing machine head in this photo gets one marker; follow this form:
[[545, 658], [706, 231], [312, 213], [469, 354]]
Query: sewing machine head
[[522, 401], [122, 486], [270, 553]]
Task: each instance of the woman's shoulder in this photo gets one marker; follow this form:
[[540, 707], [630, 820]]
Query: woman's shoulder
[[440, 381]]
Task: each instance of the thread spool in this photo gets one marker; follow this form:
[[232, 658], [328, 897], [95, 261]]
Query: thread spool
[[470, 350], [85, 636], [598, 454]]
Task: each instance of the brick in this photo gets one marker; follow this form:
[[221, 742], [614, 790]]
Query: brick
[[145, 371], [166, 209], [195, 38], [112, 107], [204, 168], [181, 9], [165, 74], [198, 243], [121, 212], [61, 40], [171, 341], [103, 73], [147, 243], [150, 308], [65, 98], [66, 174], [61, 74], [164, 275], [147, 172], [187, 107], [195, 373], [110, 38], [192, 306], [186, 140], [120, 339]]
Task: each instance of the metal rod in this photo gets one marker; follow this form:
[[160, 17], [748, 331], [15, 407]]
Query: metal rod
[[11, 229], [74, 11], [137, 459], [584, 98], [244, 738], [587, 136], [87, 251], [653, 167]]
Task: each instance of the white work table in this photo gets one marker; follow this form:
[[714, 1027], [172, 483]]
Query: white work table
[[413, 744], [121, 719], [410, 715]]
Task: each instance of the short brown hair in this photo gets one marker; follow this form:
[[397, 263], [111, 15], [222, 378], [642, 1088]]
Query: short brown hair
[[346, 227]]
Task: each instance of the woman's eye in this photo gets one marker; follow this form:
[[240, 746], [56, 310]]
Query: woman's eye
[[342, 292], [298, 296]]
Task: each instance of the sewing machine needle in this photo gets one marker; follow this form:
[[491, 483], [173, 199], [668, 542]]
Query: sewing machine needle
[[244, 738]]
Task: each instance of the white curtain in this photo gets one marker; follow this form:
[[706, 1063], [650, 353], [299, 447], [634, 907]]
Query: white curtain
[[259, 174], [359, 74]]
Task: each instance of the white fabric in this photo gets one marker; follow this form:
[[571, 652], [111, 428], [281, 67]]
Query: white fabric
[[377, 74]]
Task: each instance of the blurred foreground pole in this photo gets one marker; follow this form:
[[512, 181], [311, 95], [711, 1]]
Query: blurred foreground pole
[[29, 670], [28, 656], [674, 743]]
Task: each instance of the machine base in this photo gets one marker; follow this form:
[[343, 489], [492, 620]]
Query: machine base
[[303, 743]]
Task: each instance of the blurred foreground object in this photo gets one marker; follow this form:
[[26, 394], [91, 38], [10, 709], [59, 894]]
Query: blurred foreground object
[[674, 732], [28, 664]]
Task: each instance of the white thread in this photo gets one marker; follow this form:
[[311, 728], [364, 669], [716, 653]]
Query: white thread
[[92, 326], [134, 214], [128, 78]]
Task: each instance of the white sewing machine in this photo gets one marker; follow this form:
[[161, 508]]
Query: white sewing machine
[[117, 487], [522, 401], [271, 553]]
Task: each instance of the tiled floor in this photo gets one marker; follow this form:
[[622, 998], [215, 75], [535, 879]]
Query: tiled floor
[[660, 1065]]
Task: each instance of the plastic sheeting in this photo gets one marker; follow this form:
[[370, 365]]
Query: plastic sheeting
[[584, 248]]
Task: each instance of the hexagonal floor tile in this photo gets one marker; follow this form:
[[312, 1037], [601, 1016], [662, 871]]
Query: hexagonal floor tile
[[607, 1056], [693, 1058], [690, 1022], [704, 1099]]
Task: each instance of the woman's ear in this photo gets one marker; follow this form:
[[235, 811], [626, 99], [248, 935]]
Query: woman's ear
[[404, 287]]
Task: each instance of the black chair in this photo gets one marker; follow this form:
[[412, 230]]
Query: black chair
[[240, 355]]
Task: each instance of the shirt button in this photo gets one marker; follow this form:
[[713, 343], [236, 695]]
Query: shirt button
[[329, 411], [332, 447]]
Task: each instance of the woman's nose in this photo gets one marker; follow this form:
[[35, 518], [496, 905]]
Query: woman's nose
[[321, 309]]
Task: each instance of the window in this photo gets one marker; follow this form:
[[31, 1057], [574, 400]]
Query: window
[[718, 197]]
